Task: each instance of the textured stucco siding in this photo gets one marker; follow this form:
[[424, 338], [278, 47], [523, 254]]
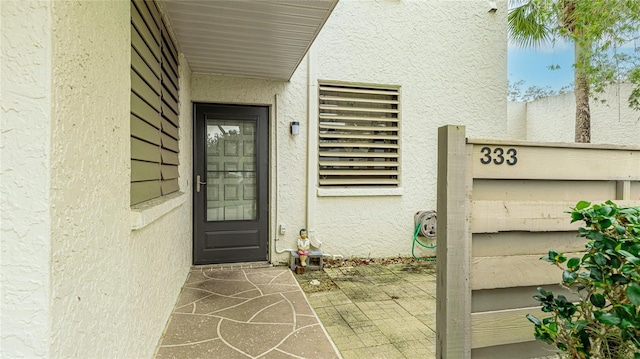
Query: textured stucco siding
[[112, 288], [517, 120], [553, 118], [24, 178], [448, 57]]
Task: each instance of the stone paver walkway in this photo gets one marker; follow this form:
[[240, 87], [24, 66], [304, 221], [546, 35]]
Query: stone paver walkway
[[226, 312], [380, 311]]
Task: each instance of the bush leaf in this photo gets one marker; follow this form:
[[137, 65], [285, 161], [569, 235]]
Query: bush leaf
[[597, 299], [569, 277], [573, 263], [582, 205], [534, 320], [611, 318], [633, 293]]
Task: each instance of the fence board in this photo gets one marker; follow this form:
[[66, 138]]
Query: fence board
[[519, 243], [502, 327], [513, 271], [526, 162], [486, 300], [540, 216], [548, 190], [499, 216]]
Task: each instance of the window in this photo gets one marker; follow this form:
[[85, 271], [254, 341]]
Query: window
[[359, 136], [154, 105]]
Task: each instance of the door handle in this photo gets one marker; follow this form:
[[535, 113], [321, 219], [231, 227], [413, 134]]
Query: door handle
[[198, 183]]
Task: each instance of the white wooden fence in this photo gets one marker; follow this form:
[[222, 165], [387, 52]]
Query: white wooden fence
[[501, 206]]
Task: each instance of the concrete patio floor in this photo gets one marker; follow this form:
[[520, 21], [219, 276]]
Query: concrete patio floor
[[244, 312], [259, 311], [379, 311]]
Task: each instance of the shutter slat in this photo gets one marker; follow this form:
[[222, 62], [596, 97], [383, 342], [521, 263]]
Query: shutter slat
[[170, 129], [168, 60], [169, 172], [360, 154], [392, 146], [325, 126], [144, 191], [152, 26], [358, 109], [169, 41], [145, 33], [140, 87], [362, 137], [144, 151], [153, 10], [169, 186], [357, 118], [145, 53], [144, 71], [168, 113], [346, 172], [168, 78], [354, 99], [170, 90], [169, 157], [386, 92], [357, 181], [168, 99], [144, 171], [143, 110], [144, 131], [360, 163], [169, 143]]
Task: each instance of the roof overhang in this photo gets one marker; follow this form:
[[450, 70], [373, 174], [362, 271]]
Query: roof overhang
[[252, 38]]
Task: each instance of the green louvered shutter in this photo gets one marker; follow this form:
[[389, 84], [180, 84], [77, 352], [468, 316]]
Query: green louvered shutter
[[154, 105]]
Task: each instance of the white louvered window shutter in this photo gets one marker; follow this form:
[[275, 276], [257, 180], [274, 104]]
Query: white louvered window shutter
[[359, 133]]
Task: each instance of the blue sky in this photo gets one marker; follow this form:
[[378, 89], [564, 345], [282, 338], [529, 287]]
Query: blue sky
[[531, 65]]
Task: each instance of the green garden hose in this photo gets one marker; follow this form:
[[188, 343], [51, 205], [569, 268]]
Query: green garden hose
[[415, 240]]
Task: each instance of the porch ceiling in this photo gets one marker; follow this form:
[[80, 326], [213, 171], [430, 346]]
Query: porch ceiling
[[254, 38]]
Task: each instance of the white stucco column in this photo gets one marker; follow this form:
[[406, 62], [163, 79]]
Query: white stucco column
[[25, 168]]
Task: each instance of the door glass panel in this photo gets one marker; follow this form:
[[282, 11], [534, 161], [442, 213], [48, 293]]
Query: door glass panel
[[231, 170]]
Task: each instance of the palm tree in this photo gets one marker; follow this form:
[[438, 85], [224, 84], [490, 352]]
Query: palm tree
[[594, 27]]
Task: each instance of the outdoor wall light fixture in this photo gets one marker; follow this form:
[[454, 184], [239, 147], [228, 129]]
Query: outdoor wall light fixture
[[295, 128], [493, 7]]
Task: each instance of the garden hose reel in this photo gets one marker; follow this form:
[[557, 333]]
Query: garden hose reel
[[428, 223]]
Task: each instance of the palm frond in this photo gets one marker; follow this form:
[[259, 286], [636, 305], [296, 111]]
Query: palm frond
[[528, 24]]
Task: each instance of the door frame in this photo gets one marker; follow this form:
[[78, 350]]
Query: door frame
[[268, 175]]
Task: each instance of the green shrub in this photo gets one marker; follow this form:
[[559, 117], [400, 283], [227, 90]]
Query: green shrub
[[605, 321]]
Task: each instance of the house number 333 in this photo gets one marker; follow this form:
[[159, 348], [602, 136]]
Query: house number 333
[[498, 156]]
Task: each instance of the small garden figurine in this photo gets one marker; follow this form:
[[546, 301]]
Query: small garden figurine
[[303, 247]]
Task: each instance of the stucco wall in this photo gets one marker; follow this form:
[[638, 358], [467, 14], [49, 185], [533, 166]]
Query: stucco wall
[[517, 120], [553, 118], [24, 178], [449, 57], [112, 288]]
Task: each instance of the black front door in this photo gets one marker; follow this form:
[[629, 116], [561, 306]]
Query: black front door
[[231, 164]]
